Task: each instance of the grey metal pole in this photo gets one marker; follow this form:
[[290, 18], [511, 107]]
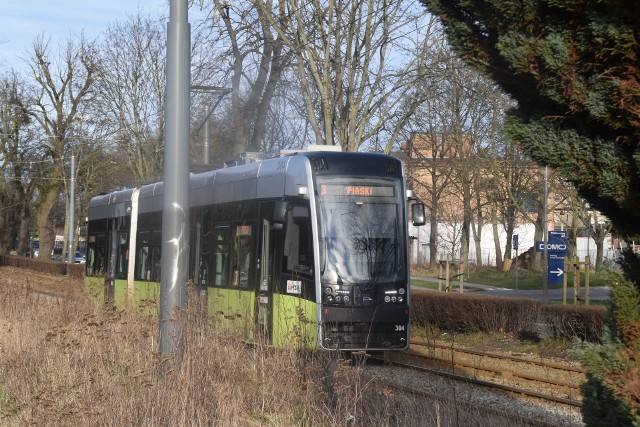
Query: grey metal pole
[[545, 249], [71, 253], [206, 141], [175, 215]]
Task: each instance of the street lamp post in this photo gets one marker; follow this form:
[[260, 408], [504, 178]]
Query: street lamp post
[[213, 89], [175, 214]]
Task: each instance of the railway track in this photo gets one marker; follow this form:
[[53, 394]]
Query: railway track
[[539, 379]]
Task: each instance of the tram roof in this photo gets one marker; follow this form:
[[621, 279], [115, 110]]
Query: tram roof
[[275, 177]]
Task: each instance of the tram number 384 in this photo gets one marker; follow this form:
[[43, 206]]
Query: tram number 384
[[399, 328]]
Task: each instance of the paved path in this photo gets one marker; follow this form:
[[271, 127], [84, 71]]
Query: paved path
[[595, 293]]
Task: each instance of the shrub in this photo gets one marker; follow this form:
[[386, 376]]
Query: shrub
[[452, 312], [76, 271], [585, 323], [612, 390]]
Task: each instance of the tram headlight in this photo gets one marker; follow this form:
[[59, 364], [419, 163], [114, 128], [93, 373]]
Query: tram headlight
[[400, 299], [338, 298], [346, 299], [387, 298], [394, 299], [328, 291], [401, 291], [329, 299]]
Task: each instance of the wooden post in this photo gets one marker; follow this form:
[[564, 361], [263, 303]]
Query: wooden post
[[564, 282], [446, 275], [439, 274], [587, 267], [576, 282]]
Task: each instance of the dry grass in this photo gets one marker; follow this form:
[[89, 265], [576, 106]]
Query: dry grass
[[66, 362]]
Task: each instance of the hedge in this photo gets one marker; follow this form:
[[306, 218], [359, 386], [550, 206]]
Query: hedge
[[43, 266], [453, 312]]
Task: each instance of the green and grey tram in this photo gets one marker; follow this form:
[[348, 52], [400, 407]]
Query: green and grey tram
[[306, 250]]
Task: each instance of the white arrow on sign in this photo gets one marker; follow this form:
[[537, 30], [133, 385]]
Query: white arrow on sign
[[557, 272]]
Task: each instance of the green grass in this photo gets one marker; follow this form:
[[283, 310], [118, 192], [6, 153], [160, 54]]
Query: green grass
[[8, 404], [424, 284], [526, 279]]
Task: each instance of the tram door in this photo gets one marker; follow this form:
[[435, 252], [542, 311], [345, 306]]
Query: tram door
[[265, 286]]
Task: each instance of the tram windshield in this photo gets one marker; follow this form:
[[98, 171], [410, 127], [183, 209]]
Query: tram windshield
[[360, 231]]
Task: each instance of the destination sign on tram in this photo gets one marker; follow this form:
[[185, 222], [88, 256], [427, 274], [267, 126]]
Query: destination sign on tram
[[356, 190]]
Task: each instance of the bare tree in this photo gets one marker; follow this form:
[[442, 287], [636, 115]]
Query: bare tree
[[461, 124], [576, 215], [131, 83], [536, 213], [287, 124], [361, 65], [600, 228], [511, 182], [16, 157], [63, 85], [257, 57], [450, 236], [466, 119], [430, 173]]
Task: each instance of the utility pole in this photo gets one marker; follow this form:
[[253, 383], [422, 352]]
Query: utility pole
[[71, 253], [545, 233], [175, 214]]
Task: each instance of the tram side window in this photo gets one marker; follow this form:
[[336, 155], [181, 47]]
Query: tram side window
[[143, 252], [148, 255], [243, 248], [123, 255], [156, 247], [143, 272], [96, 250], [298, 246], [221, 252]]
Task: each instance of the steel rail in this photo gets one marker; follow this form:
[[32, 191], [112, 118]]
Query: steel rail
[[489, 384], [502, 356], [506, 372]]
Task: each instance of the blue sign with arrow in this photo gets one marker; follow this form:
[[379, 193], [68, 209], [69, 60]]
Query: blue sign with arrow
[[555, 272], [557, 247]]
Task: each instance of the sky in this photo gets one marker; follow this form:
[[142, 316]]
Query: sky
[[21, 21]]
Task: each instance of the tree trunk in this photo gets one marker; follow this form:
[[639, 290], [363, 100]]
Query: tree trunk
[[478, 242], [465, 239], [599, 235], [24, 241], [46, 233], [433, 243], [477, 231], [507, 249], [540, 228], [496, 236], [4, 226]]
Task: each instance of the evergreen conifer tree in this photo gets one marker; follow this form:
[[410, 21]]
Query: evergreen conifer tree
[[574, 68]]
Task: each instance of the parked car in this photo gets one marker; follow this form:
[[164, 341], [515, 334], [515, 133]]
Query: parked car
[[79, 258]]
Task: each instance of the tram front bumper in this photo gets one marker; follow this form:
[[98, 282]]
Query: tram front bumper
[[353, 328]]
